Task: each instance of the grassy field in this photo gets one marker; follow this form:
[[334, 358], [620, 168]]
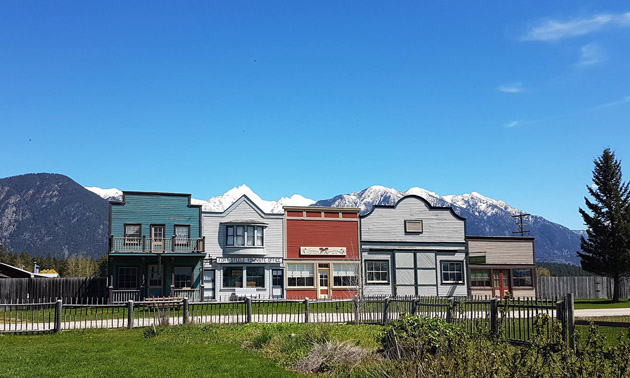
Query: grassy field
[[186, 351], [601, 303]]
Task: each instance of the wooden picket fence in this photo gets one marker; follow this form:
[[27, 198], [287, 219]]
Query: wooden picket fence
[[584, 287], [512, 319], [70, 290]]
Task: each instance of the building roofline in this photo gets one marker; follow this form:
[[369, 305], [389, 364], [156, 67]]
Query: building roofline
[[431, 207], [323, 208], [499, 237]]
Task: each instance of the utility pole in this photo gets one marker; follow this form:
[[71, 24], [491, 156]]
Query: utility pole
[[522, 229]]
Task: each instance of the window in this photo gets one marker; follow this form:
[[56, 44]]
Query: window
[[230, 235], [452, 272], [182, 234], [259, 236], [127, 277], [276, 277], [155, 276], [240, 235], [233, 277], [300, 275], [244, 236], [413, 226], [377, 272], [183, 277], [345, 274], [522, 277], [255, 276], [133, 234], [480, 277]]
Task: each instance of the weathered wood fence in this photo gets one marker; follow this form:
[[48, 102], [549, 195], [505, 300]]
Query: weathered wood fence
[[514, 319], [70, 290], [582, 287]]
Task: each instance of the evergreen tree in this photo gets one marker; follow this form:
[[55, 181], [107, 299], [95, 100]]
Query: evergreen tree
[[606, 249]]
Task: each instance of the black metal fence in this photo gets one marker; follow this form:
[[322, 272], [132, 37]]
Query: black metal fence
[[511, 319]]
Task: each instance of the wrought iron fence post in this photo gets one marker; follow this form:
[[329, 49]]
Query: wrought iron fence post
[[306, 310], [385, 310], [570, 312], [248, 302], [130, 314], [414, 306], [356, 310], [494, 316], [58, 309], [449, 310], [185, 310]]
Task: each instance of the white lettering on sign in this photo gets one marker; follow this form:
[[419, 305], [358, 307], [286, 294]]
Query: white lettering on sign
[[248, 260], [323, 251]]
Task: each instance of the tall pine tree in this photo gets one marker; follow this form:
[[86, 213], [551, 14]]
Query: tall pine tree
[[606, 249]]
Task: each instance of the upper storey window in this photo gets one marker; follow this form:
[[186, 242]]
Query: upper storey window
[[244, 235], [132, 234]]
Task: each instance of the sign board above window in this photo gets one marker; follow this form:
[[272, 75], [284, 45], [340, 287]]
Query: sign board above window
[[413, 226], [477, 259], [249, 260], [323, 251]]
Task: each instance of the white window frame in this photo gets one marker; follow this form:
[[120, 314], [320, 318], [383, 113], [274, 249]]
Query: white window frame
[[449, 271], [309, 274], [367, 272], [257, 236], [334, 275]]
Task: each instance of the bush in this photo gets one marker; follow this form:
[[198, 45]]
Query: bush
[[332, 356]]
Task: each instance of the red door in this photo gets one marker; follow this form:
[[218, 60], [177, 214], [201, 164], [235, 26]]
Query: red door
[[501, 282]]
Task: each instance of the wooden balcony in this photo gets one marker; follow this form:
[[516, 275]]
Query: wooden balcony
[[149, 245]]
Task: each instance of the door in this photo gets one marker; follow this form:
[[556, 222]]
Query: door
[[208, 284], [155, 276], [323, 273], [157, 238], [501, 282], [277, 283]]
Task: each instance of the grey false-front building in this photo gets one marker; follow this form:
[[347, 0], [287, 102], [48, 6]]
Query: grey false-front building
[[413, 248], [244, 249]]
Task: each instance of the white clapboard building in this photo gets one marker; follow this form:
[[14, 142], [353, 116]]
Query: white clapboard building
[[413, 248]]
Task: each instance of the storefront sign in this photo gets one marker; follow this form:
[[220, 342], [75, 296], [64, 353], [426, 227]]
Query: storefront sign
[[323, 251], [249, 260]]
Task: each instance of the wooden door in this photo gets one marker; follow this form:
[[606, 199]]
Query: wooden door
[[155, 276], [501, 282], [157, 238], [323, 273]]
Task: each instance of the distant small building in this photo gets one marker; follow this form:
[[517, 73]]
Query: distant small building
[[502, 264], [10, 271]]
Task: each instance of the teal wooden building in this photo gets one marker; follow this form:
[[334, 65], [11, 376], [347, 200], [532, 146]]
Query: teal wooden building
[[156, 247]]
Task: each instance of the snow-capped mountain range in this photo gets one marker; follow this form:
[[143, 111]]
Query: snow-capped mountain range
[[485, 216]]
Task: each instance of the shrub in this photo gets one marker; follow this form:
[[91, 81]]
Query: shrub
[[332, 356]]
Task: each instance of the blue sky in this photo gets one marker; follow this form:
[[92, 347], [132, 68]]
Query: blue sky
[[319, 98]]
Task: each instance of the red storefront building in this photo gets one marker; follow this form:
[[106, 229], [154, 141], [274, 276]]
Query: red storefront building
[[322, 252]]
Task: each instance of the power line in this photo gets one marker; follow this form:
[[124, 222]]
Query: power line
[[522, 229]]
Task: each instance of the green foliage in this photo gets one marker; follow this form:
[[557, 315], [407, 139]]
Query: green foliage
[[72, 266], [606, 249], [562, 269]]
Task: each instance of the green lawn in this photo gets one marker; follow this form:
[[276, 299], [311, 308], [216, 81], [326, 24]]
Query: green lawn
[[116, 353], [601, 303]]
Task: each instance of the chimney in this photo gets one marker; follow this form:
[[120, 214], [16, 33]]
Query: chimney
[[35, 267]]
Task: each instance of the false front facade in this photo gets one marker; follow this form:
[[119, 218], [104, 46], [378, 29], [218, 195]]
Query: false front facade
[[155, 247], [322, 252], [502, 264], [413, 248], [244, 248]]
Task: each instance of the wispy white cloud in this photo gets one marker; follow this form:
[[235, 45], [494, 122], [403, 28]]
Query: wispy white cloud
[[591, 54], [511, 88], [621, 101], [553, 30]]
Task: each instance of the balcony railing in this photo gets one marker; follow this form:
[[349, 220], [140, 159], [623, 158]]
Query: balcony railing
[[192, 294], [155, 245]]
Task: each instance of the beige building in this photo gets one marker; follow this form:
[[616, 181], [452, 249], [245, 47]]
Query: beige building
[[501, 264]]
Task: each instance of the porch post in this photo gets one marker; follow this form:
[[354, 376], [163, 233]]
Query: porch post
[[172, 276]]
